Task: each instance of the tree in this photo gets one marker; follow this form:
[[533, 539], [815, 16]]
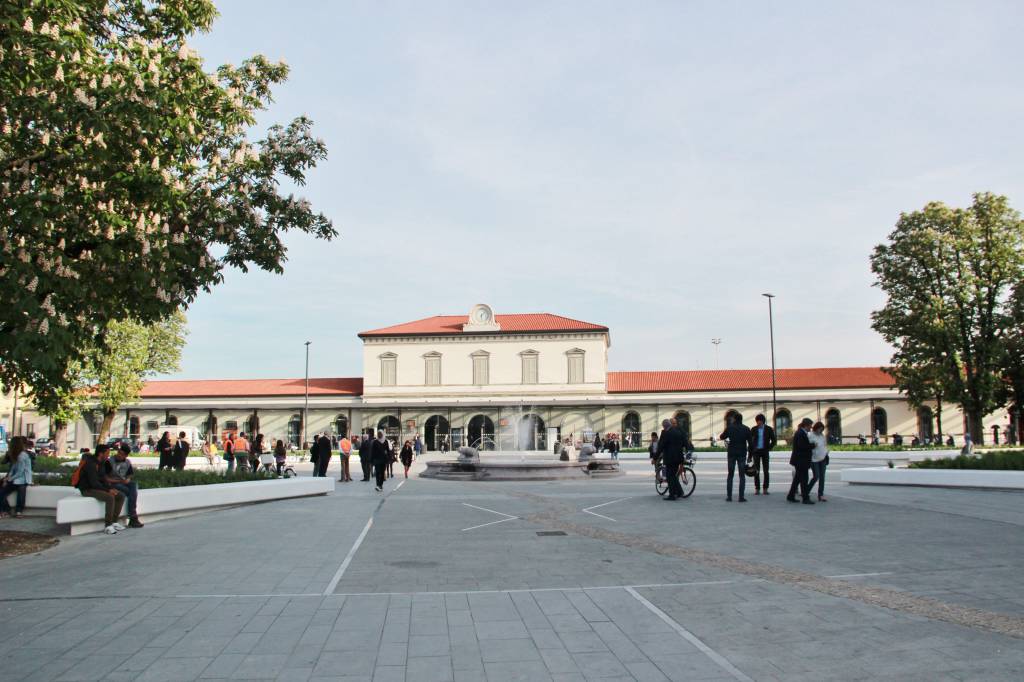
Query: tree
[[62, 406], [117, 367], [947, 273], [128, 180], [1013, 361]]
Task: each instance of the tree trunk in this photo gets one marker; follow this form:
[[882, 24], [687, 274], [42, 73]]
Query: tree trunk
[[60, 438], [104, 434], [938, 417], [975, 427]]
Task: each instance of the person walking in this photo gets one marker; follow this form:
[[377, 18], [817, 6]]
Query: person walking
[[381, 456], [323, 454], [254, 454], [671, 448], [800, 460], [737, 435], [819, 459], [417, 446], [652, 450], [406, 457], [17, 479], [166, 452], [180, 453], [345, 450], [762, 441], [366, 456]]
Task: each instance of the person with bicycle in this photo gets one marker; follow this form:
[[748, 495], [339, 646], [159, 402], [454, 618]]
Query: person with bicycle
[[671, 449]]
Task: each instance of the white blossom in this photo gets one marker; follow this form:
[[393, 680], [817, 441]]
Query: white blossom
[[28, 25], [44, 327], [59, 76]]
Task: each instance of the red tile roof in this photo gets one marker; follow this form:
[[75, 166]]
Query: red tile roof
[[522, 323], [748, 379], [252, 388]]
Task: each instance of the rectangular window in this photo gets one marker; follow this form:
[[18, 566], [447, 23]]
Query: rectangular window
[[529, 368], [432, 370], [576, 368], [481, 370], [231, 426], [388, 370]]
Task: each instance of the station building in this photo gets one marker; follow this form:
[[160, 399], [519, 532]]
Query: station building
[[519, 382]]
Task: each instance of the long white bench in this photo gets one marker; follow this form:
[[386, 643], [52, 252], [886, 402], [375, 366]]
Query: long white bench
[[85, 514], [937, 478], [41, 500]]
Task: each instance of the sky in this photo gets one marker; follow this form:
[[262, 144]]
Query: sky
[[654, 167]]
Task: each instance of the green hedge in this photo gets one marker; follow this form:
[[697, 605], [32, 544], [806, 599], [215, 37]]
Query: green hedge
[[151, 478], [1000, 460]]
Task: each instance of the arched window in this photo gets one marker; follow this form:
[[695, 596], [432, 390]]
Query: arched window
[[783, 423], [924, 423], [172, 420], [435, 430], [294, 429], [341, 426], [530, 433], [879, 422], [834, 426], [391, 427], [683, 417], [631, 435], [731, 415], [481, 432], [252, 426]]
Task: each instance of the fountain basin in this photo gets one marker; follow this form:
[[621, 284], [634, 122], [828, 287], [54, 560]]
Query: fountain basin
[[497, 468]]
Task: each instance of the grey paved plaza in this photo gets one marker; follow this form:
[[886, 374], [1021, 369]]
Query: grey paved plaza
[[590, 580]]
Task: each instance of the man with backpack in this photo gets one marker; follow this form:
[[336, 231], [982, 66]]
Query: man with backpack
[[91, 482]]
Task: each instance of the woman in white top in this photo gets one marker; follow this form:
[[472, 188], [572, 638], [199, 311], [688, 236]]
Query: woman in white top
[[819, 459]]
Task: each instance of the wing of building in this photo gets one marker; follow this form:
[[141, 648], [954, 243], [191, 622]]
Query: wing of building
[[519, 382]]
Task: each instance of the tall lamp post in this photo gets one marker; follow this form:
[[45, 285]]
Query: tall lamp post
[[771, 337], [305, 406], [716, 343]]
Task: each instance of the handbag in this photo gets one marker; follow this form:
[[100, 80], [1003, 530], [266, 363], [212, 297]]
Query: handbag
[[825, 461]]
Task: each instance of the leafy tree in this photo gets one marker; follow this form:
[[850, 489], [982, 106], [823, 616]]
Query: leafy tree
[[1013, 361], [947, 273], [117, 368], [128, 179], [63, 406], [921, 381]]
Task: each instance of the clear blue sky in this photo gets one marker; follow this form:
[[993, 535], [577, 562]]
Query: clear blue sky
[[650, 166]]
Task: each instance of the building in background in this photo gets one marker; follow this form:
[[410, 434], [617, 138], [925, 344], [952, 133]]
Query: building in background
[[521, 382]]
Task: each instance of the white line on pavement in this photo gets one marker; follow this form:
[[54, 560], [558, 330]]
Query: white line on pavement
[[857, 575], [348, 558], [691, 638], [400, 484], [603, 504], [509, 517]]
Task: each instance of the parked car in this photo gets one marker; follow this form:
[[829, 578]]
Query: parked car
[[116, 441], [43, 447]]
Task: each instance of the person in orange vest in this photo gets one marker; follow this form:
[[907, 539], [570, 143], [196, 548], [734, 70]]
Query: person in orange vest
[[241, 451], [345, 445]]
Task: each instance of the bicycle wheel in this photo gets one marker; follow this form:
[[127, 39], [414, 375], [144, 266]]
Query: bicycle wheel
[[288, 472], [688, 481], [660, 483]]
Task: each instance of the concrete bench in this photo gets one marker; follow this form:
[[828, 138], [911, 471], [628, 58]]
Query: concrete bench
[[85, 514], [41, 500], [937, 478]]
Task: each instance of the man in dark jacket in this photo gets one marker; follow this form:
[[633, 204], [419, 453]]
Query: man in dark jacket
[[801, 461], [366, 455], [762, 440], [92, 483], [671, 449], [323, 454], [738, 435], [179, 455], [381, 454]]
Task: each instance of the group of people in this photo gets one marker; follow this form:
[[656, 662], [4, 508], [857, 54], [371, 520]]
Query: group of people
[[377, 456], [751, 447], [112, 482], [242, 454], [748, 451], [610, 443], [172, 455]]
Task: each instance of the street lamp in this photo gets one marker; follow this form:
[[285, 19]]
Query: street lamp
[[716, 343], [305, 407], [771, 337]]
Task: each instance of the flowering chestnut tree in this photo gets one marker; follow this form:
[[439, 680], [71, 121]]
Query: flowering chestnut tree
[[129, 175]]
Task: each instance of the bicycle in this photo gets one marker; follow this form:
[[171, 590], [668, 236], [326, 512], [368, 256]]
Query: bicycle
[[687, 477]]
